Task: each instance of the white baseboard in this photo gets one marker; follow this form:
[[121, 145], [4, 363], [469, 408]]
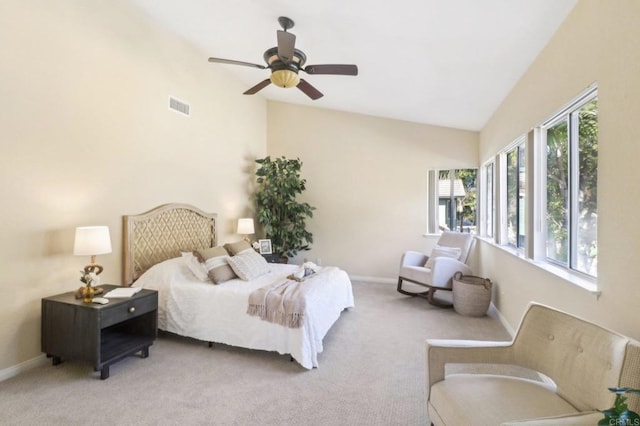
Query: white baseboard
[[13, 371], [494, 312]]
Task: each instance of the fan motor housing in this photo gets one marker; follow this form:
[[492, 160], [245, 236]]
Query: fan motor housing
[[272, 59]]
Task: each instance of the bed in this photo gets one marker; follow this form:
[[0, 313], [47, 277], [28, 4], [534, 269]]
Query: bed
[[153, 245]]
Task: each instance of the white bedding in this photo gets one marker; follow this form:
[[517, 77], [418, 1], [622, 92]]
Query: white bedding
[[217, 313]]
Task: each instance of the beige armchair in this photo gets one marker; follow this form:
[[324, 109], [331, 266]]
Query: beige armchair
[[436, 274], [579, 361]]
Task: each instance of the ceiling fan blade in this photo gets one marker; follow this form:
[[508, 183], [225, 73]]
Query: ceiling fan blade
[[286, 44], [336, 69], [255, 89], [232, 62], [309, 90]]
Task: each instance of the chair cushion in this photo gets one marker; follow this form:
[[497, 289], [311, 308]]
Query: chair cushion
[[441, 251], [457, 239], [479, 399]]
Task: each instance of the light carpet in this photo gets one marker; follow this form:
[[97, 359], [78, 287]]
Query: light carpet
[[371, 372]]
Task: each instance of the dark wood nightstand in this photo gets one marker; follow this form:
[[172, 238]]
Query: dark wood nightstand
[[99, 334], [273, 258]]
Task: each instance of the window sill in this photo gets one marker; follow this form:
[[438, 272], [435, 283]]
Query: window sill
[[574, 278]]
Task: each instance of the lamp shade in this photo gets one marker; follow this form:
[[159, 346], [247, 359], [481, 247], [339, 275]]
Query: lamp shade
[[92, 240], [245, 226]]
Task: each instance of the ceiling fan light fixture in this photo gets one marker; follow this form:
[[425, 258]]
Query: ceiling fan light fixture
[[285, 62], [285, 78]]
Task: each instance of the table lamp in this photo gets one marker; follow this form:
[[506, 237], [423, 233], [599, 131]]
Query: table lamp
[[91, 241], [245, 227]]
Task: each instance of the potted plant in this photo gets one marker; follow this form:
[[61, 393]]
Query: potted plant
[[620, 414], [281, 215]]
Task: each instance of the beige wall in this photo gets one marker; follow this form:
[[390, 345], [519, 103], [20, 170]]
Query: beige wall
[[86, 137], [598, 42], [367, 177]]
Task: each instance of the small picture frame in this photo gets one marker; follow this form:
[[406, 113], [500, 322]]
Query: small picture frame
[[265, 246]]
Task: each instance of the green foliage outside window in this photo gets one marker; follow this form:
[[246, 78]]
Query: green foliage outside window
[[561, 150], [460, 211]]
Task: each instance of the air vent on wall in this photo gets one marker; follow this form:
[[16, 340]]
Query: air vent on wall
[[179, 106]]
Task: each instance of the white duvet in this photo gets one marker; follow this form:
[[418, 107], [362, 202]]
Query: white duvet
[[217, 313]]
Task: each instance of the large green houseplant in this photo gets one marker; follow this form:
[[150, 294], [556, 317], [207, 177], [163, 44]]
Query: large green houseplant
[[282, 216]]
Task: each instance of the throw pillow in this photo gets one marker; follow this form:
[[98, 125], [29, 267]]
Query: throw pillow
[[195, 266], [237, 247], [215, 260], [248, 265], [442, 251]]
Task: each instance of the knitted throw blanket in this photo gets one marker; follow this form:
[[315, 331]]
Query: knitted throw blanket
[[282, 302]]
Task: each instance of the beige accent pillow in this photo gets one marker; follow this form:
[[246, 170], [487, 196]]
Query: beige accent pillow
[[212, 252], [237, 247], [248, 265], [194, 265], [215, 261], [442, 251]]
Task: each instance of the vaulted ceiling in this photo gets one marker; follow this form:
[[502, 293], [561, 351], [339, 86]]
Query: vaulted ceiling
[[442, 62]]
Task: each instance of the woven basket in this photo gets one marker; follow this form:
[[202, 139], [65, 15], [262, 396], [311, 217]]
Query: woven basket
[[471, 295]]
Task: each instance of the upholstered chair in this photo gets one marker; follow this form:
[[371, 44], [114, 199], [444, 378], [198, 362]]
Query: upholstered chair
[[564, 367], [435, 271]]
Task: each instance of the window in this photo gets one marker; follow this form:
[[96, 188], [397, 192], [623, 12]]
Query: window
[[571, 205], [540, 194], [515, 195], [488, 200], [452, 200]]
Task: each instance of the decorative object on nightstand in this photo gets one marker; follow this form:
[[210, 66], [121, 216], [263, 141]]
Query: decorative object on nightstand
[[91, 241], [245, 227], [265, 246]]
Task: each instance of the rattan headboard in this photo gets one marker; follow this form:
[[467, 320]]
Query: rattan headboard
[[161, 234]]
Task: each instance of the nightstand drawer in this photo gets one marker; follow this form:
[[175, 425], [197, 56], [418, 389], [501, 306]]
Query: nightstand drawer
[[132, 308]]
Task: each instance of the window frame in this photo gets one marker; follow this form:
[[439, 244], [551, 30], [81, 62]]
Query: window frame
[[519, 145], [487, 200], [534, 250], [570, 115], [433, 198]]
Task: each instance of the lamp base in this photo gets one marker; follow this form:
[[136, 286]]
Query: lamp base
[[80, 292], [87, 293], [90, 277]]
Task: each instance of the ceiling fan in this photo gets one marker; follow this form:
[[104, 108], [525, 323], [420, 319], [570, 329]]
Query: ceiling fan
[[285, 62]]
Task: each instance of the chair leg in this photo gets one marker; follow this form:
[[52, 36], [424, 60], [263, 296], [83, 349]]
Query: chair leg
[[422, 294], [431, 299], [400, 290], [429, 295]]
